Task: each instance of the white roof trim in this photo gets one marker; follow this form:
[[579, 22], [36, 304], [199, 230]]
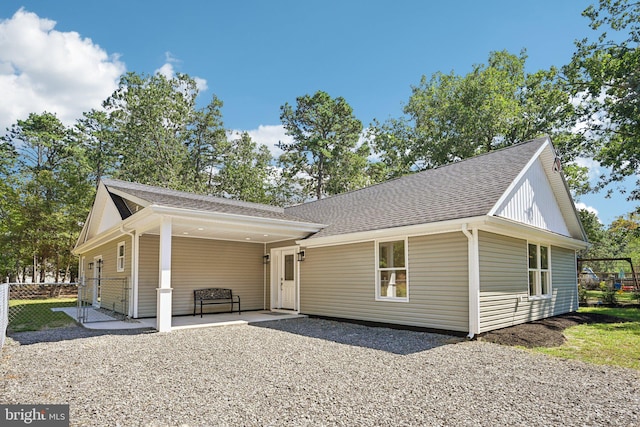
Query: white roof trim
[[484, 223], [309, 227], [410, 230], [517, 179]]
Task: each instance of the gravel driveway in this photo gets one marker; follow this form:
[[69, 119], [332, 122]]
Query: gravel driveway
[[308, 372]]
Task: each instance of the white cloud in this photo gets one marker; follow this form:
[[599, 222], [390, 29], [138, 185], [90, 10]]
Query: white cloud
[[595, 169], [268, 135], [42, 69], [584, 206], [168, 70]]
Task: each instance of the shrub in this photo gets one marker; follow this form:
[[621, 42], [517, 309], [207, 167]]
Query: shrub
[[609, 295], [582, 294]]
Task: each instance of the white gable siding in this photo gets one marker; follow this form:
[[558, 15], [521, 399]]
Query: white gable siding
[[532, 202]]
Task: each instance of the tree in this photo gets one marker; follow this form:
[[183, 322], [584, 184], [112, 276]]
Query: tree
[[324, 157], [151, 116], [95, 132], [451, 117], [52, 191], [207, 146], [605, 75], [10, 219], [246, 173]]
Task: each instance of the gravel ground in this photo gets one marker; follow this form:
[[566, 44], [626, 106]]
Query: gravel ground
[[308, 372]]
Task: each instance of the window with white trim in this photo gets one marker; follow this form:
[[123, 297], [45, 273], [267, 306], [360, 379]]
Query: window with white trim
[[120, 257], [391, 270], [539, 274]]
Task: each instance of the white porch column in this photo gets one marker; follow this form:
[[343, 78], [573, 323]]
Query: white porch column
[[163, 307]]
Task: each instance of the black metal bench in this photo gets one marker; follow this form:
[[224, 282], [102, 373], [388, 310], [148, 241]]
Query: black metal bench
[[214, 296]]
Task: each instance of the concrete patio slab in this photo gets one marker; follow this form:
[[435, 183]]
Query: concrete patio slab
[[100, 320]]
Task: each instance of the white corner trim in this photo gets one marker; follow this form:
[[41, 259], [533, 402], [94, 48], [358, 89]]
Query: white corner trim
[[474, 279]]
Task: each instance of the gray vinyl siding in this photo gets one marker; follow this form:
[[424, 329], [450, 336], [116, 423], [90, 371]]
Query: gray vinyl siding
[[202, 263], [339, 281], [115, 294], [504, 279], [564, 280], [148, 254]]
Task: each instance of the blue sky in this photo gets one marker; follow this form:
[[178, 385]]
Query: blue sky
[[65, 56]]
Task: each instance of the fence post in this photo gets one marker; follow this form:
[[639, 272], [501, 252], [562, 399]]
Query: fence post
[[4, 311]]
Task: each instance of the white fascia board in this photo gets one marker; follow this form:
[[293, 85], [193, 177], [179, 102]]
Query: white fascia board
[[235, 219], [406, 231], [113, 232], [518, 178], [512, 228]]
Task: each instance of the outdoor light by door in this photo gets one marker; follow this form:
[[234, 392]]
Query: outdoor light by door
[[90, 266], [301, 256], [266, 259]]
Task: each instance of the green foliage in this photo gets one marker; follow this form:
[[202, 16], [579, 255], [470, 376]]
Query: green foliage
[[609, 295], [451, 117], [324, 157], [207, 146], [582, 294], [604, 74], [246, 173], [50, 193], [150, 116]]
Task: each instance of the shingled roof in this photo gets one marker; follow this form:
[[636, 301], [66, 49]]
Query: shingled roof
[[464, 189], [180, 199]]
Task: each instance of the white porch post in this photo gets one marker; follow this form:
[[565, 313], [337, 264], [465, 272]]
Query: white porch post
[[163, 308]]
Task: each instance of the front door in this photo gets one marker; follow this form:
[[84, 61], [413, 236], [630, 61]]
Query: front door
[[284, 278], [97, 278]]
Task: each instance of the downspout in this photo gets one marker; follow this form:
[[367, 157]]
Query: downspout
[[133, 309], [474, 280]]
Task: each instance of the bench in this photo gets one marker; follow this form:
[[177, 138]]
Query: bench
[[214, 296]]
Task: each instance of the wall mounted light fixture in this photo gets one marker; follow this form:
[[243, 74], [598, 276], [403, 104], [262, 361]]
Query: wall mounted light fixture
[[266, 259], [301, 256]]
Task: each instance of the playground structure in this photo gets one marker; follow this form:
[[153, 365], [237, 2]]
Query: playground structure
[[591, 279]]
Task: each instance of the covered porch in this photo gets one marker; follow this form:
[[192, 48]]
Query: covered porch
[[184, 262]]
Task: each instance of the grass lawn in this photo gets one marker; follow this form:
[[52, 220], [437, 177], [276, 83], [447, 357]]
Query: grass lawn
[[622, 297], [615, 344], [35, 314]]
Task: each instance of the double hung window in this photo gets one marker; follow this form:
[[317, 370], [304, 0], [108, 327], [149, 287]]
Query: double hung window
[[391, 271], [120, 257], [539, 274]]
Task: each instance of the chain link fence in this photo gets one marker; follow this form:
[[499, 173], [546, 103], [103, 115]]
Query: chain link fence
[[103, 299], [30, 305], [37, 306]]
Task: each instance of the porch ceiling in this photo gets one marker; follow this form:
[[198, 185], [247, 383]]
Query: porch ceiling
[[241, 231]]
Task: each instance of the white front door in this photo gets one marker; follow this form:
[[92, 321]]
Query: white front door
[[284, 278], [97, 278]]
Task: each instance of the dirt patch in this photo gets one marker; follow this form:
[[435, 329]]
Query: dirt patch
[[545, 333]]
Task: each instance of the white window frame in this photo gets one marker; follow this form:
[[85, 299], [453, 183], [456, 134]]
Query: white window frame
[[120, 259], [539, 272], [378, 295]]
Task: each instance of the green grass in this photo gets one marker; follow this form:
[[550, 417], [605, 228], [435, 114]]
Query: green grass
[[614, 344], [35, 314], [622, 297]]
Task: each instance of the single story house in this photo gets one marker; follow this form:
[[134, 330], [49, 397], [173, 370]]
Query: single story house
[[479, 244]]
